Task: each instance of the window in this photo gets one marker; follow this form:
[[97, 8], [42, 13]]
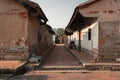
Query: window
[[89, 34]]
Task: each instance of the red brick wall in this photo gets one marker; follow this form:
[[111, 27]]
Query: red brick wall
[[34, 25], [13, 23], [13, 31]]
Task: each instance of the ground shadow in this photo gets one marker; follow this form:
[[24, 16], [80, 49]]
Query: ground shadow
[[27, 77]]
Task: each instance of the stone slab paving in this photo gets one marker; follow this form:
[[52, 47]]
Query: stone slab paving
[[95, 75], [60, 57], [87, 61], [82, 57]]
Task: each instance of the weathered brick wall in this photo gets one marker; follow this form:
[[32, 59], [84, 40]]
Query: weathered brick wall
[[37, 46], [109, 42], [107, 12], [49, 38], [13, 30], [13, 23], [34, 25], [44, 33], [10, 5]]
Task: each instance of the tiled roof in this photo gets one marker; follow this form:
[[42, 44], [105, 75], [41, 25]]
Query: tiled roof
[[34, 6]]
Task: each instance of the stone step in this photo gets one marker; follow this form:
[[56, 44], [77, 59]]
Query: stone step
[[61, 68], [9, 67], [102, 66], [58, 71], [7, 71]]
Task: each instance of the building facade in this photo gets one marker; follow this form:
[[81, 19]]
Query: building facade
[[21, 29], [100, 31]]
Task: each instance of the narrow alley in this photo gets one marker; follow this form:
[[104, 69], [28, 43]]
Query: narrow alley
[[60, 56], [59, 39]]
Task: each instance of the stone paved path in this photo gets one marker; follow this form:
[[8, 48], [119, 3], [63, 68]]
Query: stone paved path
[[98, 75], [60, 57]]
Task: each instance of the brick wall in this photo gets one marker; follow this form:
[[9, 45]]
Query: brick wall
[[13, 31], [109, 43], [107, 12]]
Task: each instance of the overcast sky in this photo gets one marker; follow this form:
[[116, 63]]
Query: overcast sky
[[58, 12]]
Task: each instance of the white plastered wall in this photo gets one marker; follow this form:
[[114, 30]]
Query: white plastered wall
[[91, 45]]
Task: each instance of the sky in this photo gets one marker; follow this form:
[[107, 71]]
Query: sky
[[58, 12]]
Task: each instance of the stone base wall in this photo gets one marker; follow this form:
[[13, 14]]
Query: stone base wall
[[37, 49], [103, 57], [22, 53], [14, 53], [92, 54], [109, 54]]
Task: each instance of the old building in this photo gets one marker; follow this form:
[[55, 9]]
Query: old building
[[97, 26], [20, 25], [47, 36]]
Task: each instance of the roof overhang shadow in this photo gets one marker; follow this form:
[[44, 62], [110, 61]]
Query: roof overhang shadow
[[79, 22]]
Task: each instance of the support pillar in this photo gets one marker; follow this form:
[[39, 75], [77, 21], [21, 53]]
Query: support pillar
[[70, 38], [79, 45]]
